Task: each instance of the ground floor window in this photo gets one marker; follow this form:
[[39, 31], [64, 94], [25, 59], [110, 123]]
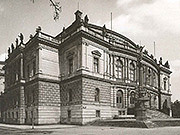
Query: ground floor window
[[119, 99], [16, 114], [69, 114], [121, 112], [97, 113]]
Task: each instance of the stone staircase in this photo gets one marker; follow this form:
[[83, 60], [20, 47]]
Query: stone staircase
[[150, 124], [155, 114], [155, 119]]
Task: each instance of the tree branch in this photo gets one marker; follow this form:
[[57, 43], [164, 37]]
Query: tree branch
[[57, 8]]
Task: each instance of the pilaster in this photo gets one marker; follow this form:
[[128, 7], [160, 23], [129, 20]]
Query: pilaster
[[22, 106]]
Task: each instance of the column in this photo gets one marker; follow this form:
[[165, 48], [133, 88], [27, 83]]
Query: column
[[84, 55], [125, 70], [110, 65], [113, 68], [39, 62], [21, 68]]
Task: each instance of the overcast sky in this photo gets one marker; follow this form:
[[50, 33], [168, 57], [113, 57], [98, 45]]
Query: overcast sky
[[143, 21]]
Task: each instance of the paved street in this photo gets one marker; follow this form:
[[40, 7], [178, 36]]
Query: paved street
[[91, 130]]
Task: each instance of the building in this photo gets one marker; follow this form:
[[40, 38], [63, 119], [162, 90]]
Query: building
[[1, 83], [86, 72]]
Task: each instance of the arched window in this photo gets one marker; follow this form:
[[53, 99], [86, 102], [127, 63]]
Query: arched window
[[149, 77], [132, 97], [119, 69], [96, 95], [144, 75], [132, 72], [165, 83], [154, 79], [119, 99]]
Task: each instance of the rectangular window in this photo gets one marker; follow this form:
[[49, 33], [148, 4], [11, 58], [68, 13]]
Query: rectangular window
[[9, 115], [70, 95], [16, 114], [118, 99], [164, 84], [26, 113], [97, 95], [71, 66], [28, 71], [97, 113], [34, 68], [96, 65], [69, 114]]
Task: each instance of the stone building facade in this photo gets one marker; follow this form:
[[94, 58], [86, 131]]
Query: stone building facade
[[85, 73], [1, 84]]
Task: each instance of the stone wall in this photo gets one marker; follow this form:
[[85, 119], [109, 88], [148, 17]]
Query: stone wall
[[31, 102], [74, 105], [165, 97], [12, 111], [49, 103], [90, 106]]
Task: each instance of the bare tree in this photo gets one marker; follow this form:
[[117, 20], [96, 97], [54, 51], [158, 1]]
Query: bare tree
[[56, 6]]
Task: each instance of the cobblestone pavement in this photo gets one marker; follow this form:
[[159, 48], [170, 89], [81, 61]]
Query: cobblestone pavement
[[92, 130]]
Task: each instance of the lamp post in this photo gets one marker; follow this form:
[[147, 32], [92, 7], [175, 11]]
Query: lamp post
[[141, 98]]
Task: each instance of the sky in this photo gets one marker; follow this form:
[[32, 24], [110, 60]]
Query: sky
[[143, 21]]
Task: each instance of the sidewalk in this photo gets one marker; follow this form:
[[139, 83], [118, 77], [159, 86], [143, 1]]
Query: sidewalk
[[37, 126]]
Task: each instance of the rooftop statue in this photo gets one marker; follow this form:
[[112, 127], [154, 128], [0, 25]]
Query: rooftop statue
[[21, 38], [38, 29], [12, 46], [9, 50], [16, 42]]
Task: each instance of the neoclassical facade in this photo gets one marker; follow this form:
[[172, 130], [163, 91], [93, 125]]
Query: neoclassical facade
[[85, 73]]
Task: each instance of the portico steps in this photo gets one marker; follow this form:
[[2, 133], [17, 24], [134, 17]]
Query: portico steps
[[155, 114]]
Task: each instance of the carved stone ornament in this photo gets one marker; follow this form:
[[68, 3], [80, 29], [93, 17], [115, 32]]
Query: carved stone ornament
[[86, 19], [96, 52], [70, 54]]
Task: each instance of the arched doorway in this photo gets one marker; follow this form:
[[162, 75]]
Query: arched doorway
[[119, 99]]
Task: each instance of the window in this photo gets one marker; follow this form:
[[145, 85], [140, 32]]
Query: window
[[119, 69], [97, 95], [132, 72], [119, 99], [34, 68], [16, 114], [69, 114], [154, 80], [70, 95], [96, 65], [26, 113], [165, 84], [132, 97], [70, 65], [149, 77], [9, 115], [97, 113], [28, 71]]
